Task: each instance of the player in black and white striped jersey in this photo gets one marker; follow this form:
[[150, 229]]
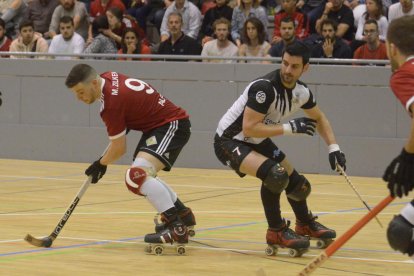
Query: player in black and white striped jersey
[[243, 143]]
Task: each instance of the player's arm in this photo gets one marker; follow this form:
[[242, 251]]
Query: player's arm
[[409, 146], [116, 150], [253, 125]]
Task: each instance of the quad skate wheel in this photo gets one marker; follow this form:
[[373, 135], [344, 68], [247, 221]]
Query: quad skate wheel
[[158, 250], [191, 233], [180, 250], [296, 252], [148, 248], [321, 244], [271, 250]]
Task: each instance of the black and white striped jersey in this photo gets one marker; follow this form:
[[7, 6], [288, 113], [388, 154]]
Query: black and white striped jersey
[[268, 96]]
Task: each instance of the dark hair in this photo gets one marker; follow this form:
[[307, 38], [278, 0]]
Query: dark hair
[[261, 34], [298, 49], [26, 23], [400, 33], [66, 19], [329, 22], [380, 10], [100, 22], [372, 21], [79, 73], [288, 19], [116, 12], [2, 23], [124, 46], [221, 21]]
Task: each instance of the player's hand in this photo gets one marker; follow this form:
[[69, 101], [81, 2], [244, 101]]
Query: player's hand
[[301, 125], [400, 174], [96, 170], [336, 156]]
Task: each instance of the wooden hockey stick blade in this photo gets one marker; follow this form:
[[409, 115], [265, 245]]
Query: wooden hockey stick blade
[[319, 260], [44, 242]]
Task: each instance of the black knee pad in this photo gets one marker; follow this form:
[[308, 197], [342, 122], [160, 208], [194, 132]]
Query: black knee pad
[[277, 179], [400, 235], [299, 187]]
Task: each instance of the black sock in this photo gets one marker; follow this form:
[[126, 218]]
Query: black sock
[[271, 205], [300, 208], [179, 205], [171, 214]]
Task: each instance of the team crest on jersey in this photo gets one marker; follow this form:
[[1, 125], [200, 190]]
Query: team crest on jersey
[[260, 97], [151, 141]]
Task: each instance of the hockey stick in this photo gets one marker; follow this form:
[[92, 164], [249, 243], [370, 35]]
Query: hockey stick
[[341, 170], [331, 249]]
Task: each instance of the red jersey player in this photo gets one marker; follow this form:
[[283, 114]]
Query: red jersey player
[[400, 173], [132, 104]]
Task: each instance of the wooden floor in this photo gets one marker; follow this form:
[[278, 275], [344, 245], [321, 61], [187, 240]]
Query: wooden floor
[[104, 235]]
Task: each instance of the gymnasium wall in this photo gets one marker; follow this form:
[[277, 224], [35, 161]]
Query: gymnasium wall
[[40, 119]]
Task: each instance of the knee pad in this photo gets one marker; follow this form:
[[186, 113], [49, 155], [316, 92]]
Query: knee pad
[[299, 187], [134, 178], [400, 235], [277, 179]]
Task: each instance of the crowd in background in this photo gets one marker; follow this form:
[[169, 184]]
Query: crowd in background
[[219, 28]]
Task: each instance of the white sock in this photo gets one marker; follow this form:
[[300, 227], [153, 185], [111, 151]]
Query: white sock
[[157, 194], [408, 213], [170, 190]]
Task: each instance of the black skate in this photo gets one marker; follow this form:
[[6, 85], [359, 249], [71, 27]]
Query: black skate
[[284, 237], [316, 231], [176, 234], [187, 217]]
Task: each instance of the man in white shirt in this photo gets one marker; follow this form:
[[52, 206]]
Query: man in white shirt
[[68, 41], [405, 7], [222, 46]]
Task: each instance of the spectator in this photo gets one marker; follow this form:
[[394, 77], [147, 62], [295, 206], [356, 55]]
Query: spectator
[[4, 40], [300, 18], [74, 9], [374, 11], [313, 9], [178, 43], [40, 13], [287, 32], [246, 9], [132, 45], [374, 48], [68, 41], [404, 7], [254, 43], [220, 10], [342, 15], [330, 45], [101, 44], [191, 19], [12, 12], [28, 41], [221, 46], [99, 7]]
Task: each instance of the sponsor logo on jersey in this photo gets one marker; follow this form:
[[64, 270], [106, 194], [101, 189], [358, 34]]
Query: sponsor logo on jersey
[[268, 121], [260, 97], [151, 141]]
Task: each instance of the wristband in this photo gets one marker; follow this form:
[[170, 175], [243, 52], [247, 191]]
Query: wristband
[[287, 129], [333, 147]]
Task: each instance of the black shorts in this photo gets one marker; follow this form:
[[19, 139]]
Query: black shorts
[[232, 152], [166, 142]]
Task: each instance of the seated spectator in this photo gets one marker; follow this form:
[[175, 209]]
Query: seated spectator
[[221, 46], [99, 7], [220, 10], [253, 37], [4, 40], [28, 41], [68, 41], [40, 13], [191, 19], [74, 9], [12, 12], [118, 23], [178, 43], [101, 44], [131, 45], [343, 16], [313, 9], [374, 10], [330, 45], [403, 8], [246, 9], [374, 48], [287, 32], [301, 20]]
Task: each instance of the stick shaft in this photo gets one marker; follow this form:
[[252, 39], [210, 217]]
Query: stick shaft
[[319, 260]]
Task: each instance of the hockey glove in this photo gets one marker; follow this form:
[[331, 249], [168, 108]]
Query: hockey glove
[[96, 170], [301, 125], [400, 174], [336, 156]]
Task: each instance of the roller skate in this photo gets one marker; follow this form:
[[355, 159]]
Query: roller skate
[[187, 217], [175, 234], [284, 237], [316, 231]]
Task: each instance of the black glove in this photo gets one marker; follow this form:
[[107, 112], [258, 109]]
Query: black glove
[[96, 170], [336, 156], [400, 174], [301, 125]]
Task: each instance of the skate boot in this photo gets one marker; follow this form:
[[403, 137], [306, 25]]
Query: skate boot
[[316, 231], [284, 237], [187, 217], [175, 234]]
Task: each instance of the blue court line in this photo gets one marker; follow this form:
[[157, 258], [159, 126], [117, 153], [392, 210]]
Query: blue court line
[[199, 230]]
